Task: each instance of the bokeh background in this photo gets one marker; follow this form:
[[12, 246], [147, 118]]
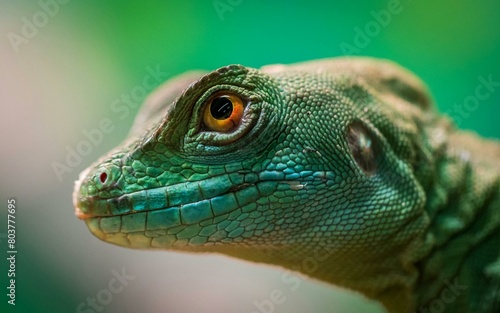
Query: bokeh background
[[60, 77]]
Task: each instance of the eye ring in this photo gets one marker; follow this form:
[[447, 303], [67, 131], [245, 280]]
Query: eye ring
[[223, 112]]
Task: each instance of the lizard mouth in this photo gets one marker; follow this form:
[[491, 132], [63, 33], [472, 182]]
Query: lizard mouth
[[82, 215], [126, 221], [137, 202], [178, 205]]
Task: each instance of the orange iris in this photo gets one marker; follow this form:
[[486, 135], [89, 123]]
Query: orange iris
[[223, 113]]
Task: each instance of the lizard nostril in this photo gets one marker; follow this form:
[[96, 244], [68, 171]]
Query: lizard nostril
[[103, 177]]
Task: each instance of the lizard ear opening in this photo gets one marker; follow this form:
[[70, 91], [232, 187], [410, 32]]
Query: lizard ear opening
[[364, 147]]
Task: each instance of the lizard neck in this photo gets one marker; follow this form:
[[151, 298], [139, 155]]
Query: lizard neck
[[375, 280], [463, 204]]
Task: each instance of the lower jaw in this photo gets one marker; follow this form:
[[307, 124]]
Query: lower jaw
[[147, 239]]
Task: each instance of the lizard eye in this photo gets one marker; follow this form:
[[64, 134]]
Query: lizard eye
[[363, 147], [223, 112]]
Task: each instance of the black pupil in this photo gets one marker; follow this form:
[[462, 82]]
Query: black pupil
[[221, 108]]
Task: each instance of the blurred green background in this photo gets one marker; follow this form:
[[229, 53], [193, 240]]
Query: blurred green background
[[60, 76]]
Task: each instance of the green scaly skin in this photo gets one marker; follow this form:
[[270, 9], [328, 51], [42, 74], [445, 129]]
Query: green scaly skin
[[283, 187]]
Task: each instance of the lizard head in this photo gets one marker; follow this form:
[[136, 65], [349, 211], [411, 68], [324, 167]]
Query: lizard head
[[271, 165]]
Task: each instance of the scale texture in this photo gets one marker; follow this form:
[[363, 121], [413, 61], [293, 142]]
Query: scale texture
[[341, 169]]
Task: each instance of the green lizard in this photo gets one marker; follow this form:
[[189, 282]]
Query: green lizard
[[343, 161]]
